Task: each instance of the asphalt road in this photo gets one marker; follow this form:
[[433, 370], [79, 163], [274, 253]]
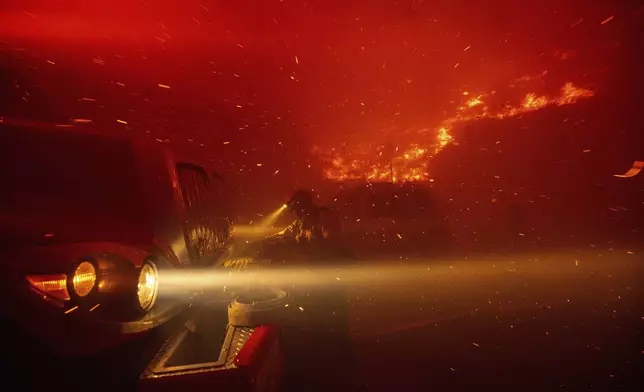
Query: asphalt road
[[560, 321]]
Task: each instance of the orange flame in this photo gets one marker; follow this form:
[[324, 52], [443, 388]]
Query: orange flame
[[410, 163]]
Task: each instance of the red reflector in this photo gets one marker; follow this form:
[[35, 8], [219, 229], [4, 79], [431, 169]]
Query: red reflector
[[257, 343], [52, 285]]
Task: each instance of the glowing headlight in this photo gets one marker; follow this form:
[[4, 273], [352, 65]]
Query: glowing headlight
[[84, 278], [147, 286]]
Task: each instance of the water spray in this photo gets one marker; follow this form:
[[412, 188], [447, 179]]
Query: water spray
[[261, 229]]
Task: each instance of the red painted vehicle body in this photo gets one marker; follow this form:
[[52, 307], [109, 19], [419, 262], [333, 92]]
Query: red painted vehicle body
[[70, 194]]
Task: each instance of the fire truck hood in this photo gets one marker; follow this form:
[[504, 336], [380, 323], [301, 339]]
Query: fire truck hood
[[24, 228]]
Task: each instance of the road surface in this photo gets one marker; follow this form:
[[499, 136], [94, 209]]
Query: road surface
[[569, 320]]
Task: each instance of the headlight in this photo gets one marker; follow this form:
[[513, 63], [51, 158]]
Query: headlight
[[84, 279], [148, 284]]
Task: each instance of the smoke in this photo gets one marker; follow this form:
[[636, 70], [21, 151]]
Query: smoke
[[260, 230]]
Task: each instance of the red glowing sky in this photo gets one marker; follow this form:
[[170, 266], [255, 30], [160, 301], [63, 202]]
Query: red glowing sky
[[273, 78]]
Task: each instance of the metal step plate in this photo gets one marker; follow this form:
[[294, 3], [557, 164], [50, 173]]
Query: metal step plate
[[208, 353]]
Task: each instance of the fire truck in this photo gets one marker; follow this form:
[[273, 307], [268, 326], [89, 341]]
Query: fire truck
[[88, 223]]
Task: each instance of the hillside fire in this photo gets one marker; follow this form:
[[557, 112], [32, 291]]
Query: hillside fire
[[407, 162]]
